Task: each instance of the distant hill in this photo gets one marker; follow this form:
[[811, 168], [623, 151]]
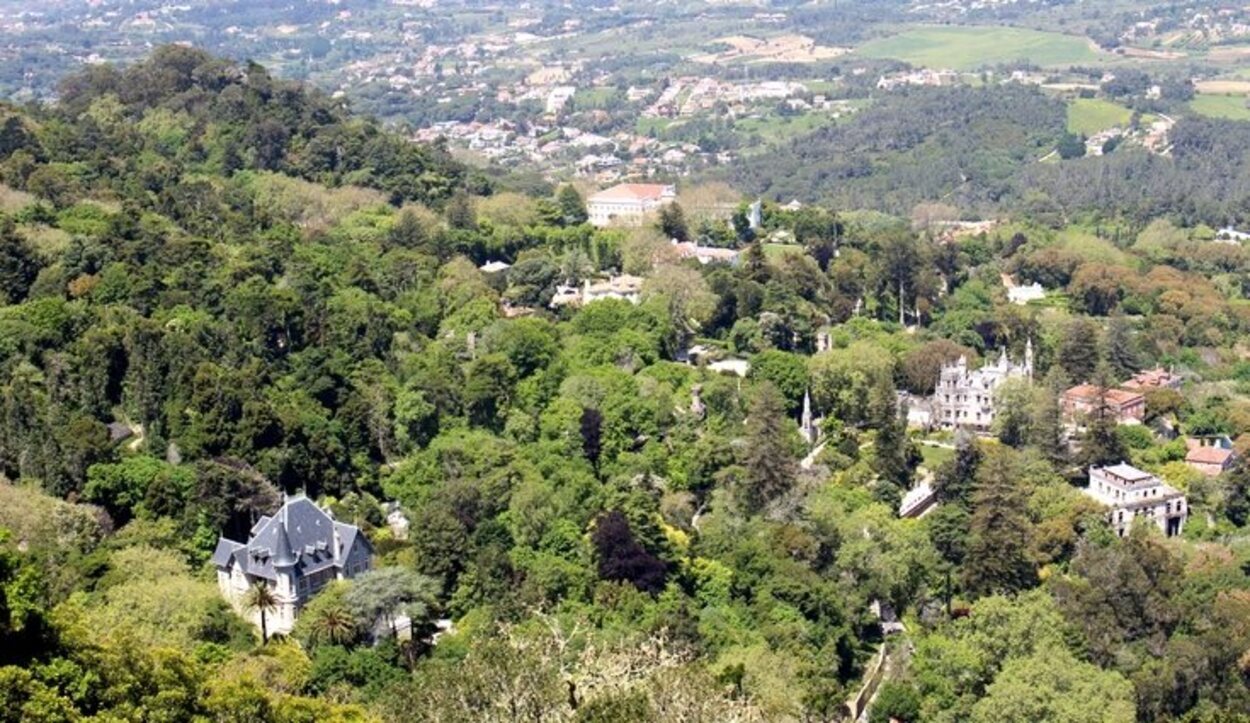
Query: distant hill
[[204, 114], [963, 144]]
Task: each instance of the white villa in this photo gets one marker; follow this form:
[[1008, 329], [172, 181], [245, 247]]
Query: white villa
[[624, 286], [296, 552], [1132, 493], [628, 203], [965, 398], [559, 97], [704, 254]]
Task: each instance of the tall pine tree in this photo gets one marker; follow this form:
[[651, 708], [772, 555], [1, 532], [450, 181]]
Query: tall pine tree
[[955, 478], [769, 462], [998, 560], [1046, 431], [895, 458], [1078, 349], [1121, 348]]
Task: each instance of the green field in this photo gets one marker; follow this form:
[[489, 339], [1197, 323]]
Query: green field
[[934, 457], [645, 126], [967, 48], [773, 127], [1221, 106], [776, 251], [1091, 115]]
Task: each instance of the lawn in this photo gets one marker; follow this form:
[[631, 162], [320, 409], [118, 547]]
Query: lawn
[[968, 48], [776, 251], [645, 126], [934, 456], [1221, 106], [773, 127], [1088, 116]]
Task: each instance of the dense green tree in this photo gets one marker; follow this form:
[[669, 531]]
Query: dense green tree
[[672, 222], [1237, 494], [1121, 352], [895, 456], [895, 702], [409, 232], [1014, 401], [327, 619], [1078, 352], [955, 479], [998, 559], [572, 206], [768, 463], [1046, 425], [18, 264], [381, 595], [1071, 146], [1054, 686], [784, 370]]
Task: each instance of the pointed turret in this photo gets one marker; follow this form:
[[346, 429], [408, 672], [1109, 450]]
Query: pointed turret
[[1028, 358], [283, 557]]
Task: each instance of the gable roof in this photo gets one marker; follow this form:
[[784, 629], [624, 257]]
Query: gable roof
[[300, 536]]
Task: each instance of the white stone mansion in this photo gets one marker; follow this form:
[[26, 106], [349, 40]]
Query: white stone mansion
[[965, 397], [296, 552], [1132, 493]]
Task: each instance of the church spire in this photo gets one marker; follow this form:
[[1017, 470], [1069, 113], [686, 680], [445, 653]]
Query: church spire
[[808, 428]]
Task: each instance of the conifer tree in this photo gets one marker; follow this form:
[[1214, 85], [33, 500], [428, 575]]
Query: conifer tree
[[1046, 423], [1121, 350], [769, 463], [998, 560]]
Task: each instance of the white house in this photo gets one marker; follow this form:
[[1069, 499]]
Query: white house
[[628, 203], [1132, 493], [296, 552], [560, 97], [1021, 294], [625, 287], [740, 367], [705, 254], [965, 397]]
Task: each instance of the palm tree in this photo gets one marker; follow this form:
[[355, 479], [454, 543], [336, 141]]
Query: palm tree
[[261, 598], [334, 624]]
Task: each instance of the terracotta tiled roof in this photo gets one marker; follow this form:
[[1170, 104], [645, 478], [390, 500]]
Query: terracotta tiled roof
[[1208, 455], [1089, 393], [632, 192]]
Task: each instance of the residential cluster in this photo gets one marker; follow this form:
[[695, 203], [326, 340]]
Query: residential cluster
[[966, 399]]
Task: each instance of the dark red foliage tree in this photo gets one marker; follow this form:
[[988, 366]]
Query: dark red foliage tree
[[622, 558]]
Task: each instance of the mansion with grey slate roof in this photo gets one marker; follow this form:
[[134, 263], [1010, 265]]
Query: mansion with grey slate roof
[[296, 552]]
